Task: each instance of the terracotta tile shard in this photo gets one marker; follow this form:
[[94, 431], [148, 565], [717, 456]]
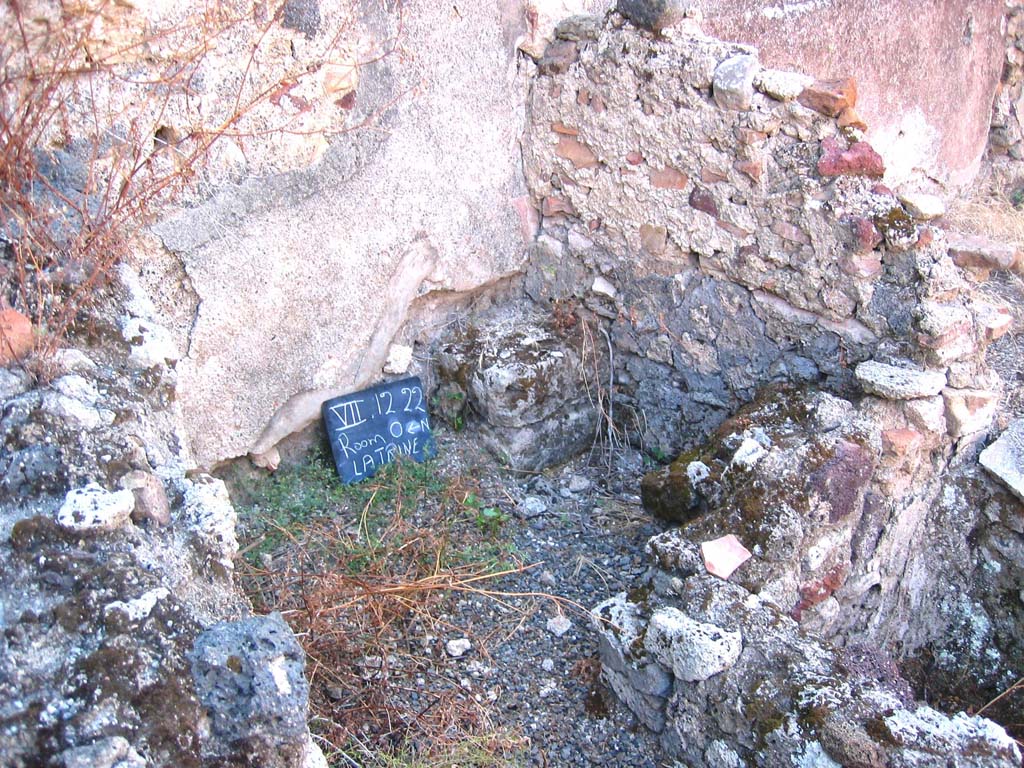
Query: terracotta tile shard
[[732, 229], [15, 336], [791, 232], [724, 555], [529, 218], [849, 118], [749, 136], [576, 152], [994, 321], [704, 201], [564, 129], [865, 234], [900, 442], [830, 97], [556, 206], [979, 252], [668, 178], [752, 168], [711, 175], [859, 160]]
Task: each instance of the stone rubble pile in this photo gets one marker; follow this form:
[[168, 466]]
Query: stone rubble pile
[[123, 641]]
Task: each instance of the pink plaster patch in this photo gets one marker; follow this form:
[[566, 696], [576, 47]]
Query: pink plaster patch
[[723, 556]]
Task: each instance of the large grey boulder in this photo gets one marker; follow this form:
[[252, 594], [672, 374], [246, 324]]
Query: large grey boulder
[[535, 387], [249, 675]]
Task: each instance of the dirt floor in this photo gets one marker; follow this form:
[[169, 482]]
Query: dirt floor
[[444, 607]]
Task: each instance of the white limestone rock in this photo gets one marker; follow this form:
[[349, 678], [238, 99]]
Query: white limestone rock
[[151, 344], [75, 400], [781, 85], [139, 608], [1004, 459], [895, 383], [604, 287], [458, 647], [212, 518], [93, 509], [923, 207], [558, 625], [748, 454], [399, 359], [694, 650], [926, 733]]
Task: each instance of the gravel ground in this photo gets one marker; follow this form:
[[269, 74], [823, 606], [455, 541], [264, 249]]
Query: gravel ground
[[583, 530], [529, 670]]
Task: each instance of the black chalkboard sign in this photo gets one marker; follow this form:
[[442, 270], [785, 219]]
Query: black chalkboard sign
[[369, 428]]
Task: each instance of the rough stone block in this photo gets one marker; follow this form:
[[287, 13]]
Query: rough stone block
[[93, 509], [1004, 459], [212, 518], [896, 383], [249, 675], [969, 411], [150, 497], [927, 414], [977, 252], [694, 650], [781, 85], [654, 15], [527, 379], [734, 82], [923, 206]]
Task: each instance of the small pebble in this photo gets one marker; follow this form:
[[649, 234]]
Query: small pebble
[[532, 506], [578, 483], [457, 648], [559, 625], [548, 665]]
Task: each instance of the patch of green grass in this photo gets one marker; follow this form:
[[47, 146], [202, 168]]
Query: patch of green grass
[[488, 519], [499, 749], [491, 556], [312, 491]]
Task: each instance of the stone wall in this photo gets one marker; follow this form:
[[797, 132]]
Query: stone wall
[[747, 235], [926, 79], [288, 288], [737, 232], [398, 177]]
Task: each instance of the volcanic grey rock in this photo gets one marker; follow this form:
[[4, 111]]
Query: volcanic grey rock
[[249, 675], [734, 82], [533, 384], [212, 518], [654, 15], [1005, 458], [113, 752]]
